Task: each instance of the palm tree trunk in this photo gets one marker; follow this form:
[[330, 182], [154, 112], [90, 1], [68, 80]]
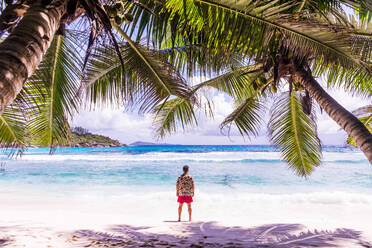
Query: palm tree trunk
[[339, 114], [22, 51]]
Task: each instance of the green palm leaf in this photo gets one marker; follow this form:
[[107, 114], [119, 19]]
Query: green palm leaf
[[12, 127], [196, 60], [366, 110], [367, 121], [294, 133], [260, 28], [172, 115], [236, 82], [226, 25], [53, 90], [106, 83], [365, 116], [247, 117], [147, 77], [162, 74]]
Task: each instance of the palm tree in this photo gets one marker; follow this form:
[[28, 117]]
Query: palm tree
[[272, 52], [32, 25], [49, 97], [46, 102], [196, 34], [289, 49]]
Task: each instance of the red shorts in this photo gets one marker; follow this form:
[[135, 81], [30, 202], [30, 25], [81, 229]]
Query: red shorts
[[183, 199]]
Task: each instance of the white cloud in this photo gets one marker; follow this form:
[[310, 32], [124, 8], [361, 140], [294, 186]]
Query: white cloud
[[326, 125], [117, 124]]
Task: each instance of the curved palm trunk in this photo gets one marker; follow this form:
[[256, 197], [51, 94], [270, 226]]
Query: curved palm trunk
[[22, 51], [339, 114]]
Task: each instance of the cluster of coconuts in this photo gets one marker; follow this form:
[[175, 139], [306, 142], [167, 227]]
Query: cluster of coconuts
[[115, 12]]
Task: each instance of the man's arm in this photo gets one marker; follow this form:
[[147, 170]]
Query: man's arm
[[177, 188], [193, 188]]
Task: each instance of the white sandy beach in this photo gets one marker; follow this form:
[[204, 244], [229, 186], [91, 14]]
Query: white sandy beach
[[148, 220]]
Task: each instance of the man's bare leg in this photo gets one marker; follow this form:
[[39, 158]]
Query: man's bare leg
[[180, 211], [190, 210]]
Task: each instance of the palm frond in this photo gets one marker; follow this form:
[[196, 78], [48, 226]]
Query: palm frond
[[355, 77], [196, 60], [367, 121], [178, 87], [365, 110], [247, 117], [237, 82], [172, 115], [231, 26], [294, 133], [53, 89], [12, 128], [240, 83], [105, 83], [365, 116], [363, 8], [260, 28], [147, 77]]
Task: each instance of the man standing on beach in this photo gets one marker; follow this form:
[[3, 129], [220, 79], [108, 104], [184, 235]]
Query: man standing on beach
[[185, 191]]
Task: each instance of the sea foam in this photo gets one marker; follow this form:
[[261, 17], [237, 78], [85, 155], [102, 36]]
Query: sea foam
[[243, 156]]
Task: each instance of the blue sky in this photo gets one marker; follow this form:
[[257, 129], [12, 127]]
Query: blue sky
[[129, 127]]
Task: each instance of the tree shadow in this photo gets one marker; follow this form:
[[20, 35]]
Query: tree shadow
[[210, 234], [176, 221], [4, 239], [4, 242]]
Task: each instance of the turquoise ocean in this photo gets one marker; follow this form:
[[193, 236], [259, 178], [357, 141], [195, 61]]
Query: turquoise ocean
[[114, 170]]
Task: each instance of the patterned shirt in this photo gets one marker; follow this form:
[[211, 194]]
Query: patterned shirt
[[185, 185]]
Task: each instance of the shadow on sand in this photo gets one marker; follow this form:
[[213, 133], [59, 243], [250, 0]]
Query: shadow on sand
[[175, 221], [209, 234], [4, 242], [4, 239]]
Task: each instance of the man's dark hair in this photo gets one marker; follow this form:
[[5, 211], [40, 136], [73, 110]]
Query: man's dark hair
[[185, 169]]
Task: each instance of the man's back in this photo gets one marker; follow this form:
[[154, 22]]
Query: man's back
[[185, 185]]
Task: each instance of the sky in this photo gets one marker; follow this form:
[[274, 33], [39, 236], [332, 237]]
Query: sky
[[129, 127]]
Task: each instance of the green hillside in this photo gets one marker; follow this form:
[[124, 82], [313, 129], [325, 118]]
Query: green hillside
[[81, 137], [87, 139]]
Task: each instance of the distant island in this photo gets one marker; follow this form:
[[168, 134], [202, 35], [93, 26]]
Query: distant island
[[81, 137], [142, 143]]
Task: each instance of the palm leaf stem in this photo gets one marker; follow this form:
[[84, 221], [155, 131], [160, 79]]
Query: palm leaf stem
[[362, 111], [4, 121], [96, 77], [301, 6], [58, 46], [131, 43], [369, 35], [235, 115], [369, 119], [294, 120], [366, 123], [255, 94], [255, 68]]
